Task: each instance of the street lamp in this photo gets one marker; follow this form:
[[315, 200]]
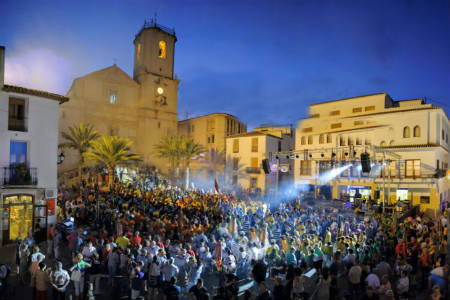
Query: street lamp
[[61, 158]]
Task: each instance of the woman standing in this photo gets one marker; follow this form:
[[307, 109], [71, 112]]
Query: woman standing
[[77, 276]]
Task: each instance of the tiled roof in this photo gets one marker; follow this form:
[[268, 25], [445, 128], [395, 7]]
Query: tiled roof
[[39, 93]]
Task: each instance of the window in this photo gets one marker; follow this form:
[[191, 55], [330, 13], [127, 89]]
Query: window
[[307, 129], [210, 125], [358, 123], [383, 144], [162, 49], [16, 115], [253, 182], [192, 128], [112, 97], [321, 139], [416, 131], [350, 141], [254, 162], [310, 140], [358, 141], [305, 167], [17, 152], [329, 140], [234, 182], [443, 134], [357, 109], [341, 141], [424, 199], [279, 146], [369, 108], [235, 146], [254, 144], [335, 113], [393, 169], [367, 142], [406, 132], [336, 125], [303, 140], [412, 168], [159, 124], [138, 51], [212, 139]]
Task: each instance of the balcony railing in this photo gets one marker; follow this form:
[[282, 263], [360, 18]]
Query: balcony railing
[[20, 176], [253, 170]]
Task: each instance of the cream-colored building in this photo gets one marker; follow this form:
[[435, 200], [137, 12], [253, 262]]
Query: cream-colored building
[[142, 108], [246, 152], [210, 130], [408, 137]]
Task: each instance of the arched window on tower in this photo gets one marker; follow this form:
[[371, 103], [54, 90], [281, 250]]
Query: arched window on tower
[[162, 49], [138, 51], [417, 131], [406, 132]]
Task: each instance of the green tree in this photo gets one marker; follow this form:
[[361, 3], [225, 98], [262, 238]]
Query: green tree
[[112, 151], [79, 138], [169, 147], [189, 149]]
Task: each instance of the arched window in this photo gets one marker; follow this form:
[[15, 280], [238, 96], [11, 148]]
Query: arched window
[[417, 131], [341, 141], [321, 139], [358, 141], [162, 49], [391, 143], [350, 141], [383, 144], [406, 132], [367, 142], [138, 51], [303, 140], [310, 140]]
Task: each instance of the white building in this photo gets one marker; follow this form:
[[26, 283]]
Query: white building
[[246, 151], [411, 137], [28, 158]]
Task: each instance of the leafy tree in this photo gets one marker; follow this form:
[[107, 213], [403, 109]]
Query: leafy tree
[[112, 151], [79, 138]]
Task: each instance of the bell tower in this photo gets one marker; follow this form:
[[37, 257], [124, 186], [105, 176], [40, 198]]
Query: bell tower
[[154, 51]]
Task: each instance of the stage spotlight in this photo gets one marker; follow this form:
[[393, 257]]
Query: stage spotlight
[[322, 155]]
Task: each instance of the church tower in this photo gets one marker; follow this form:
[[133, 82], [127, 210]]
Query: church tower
[[154, 52]]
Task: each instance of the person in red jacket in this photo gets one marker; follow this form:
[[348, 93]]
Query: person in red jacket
[[136, 239], [400, 249]]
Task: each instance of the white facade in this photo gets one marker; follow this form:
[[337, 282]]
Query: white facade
[[34, 128], [244, 159], [404, 132]]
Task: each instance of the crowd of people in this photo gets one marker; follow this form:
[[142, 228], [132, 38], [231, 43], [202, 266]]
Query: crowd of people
[[156, 241]]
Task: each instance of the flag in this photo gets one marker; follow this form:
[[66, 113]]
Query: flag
[[216, 185]]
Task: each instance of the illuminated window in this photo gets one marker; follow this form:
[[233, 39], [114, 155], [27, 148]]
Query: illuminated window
[[235, 146], [358, 123], [369, 108], [335, 113], [254, 162], [357, 109], [112, 97], [406, 132], [305, 167], [336, 125], [162, 49], [138, 51], [412, 168]]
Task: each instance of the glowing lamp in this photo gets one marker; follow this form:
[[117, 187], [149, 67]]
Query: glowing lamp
[[160, 90]]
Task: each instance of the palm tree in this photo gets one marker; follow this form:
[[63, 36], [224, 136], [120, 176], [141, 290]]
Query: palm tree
[[234, 167], [112, 151], [216, 162], [189, 149], [79, 138], [170, 147]]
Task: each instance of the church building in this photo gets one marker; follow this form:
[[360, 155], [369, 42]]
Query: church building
[[142, 109]]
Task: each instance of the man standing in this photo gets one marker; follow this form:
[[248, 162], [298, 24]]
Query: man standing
[[59, 279]]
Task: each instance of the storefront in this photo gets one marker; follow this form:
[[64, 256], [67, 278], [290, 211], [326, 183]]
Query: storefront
[[20, 214], [351, 192]]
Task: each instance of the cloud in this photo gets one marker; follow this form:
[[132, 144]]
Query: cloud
[[39, 68]]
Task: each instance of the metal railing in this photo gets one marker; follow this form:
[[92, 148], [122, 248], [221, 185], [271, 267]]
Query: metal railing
[[20, 176]]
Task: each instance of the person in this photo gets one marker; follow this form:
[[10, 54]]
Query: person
[[403, 285], [354, 276], [41, 280], [154, 277], [50, 237], [59, 280], [263, 292], [323, 287], [172, 291], [78, 272], [199, 291], [96, 273], [24, 254], [137, 279], [113, 263], [57, 240]]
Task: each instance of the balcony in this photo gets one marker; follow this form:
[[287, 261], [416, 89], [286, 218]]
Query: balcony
[[253, 170], [20, 175]]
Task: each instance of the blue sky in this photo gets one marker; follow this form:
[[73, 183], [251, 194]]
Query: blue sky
[[263, 61]]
